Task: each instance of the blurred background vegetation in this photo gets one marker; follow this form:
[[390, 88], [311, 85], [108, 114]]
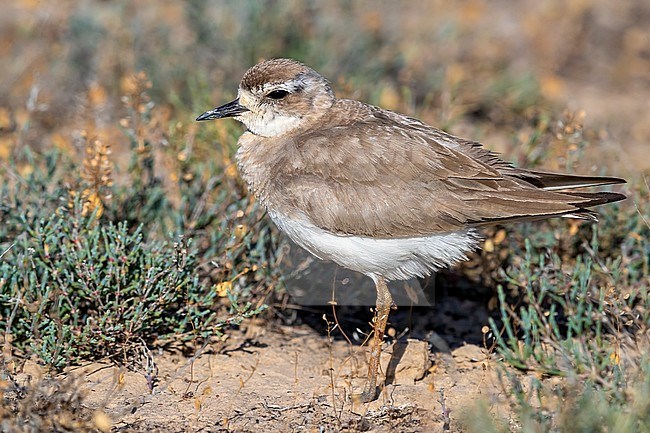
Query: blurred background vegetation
[[124, 225]]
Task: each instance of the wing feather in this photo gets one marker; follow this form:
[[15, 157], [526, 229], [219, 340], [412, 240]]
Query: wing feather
[[387, 175]]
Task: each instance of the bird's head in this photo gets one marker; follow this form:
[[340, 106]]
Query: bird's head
[[276, 97]]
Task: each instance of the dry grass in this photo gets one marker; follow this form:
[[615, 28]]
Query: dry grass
[[96, 130]]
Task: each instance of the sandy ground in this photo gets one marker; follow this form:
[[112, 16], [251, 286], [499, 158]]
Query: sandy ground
[[293, 379]]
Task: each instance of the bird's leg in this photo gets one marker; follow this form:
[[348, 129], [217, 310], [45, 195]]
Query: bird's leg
[[382, 310]]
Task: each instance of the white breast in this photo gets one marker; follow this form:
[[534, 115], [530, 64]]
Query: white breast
[[393, 259]]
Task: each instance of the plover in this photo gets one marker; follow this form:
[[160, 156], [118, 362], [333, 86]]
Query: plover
[[376, 191]]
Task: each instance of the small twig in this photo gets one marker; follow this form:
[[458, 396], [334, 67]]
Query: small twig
[[243, 382], [333, 303], [150, 367], [278, 408], [295, 370], [7, 250], [641, 214], [13, 173], [189, 382], [598, 260], [331, 370], [446, 420], [336, 320]]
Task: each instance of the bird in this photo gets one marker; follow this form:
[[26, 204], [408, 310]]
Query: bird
[[379, 192]]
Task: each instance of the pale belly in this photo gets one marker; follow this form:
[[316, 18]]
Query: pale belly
[[392, 259]]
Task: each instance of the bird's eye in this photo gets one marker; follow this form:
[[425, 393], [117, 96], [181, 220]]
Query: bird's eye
[[277, 94]]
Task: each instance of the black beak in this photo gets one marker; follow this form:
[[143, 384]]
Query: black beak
[[227, 110]]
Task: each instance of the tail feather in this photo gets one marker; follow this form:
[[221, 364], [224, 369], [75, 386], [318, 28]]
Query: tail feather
[[581, 200], [596, 198], [584, 214], [557, 181]]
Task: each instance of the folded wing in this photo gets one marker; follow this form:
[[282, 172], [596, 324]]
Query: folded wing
[[392, 176]]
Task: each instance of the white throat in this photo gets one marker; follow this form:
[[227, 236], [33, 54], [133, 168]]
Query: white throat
[[270, 123]]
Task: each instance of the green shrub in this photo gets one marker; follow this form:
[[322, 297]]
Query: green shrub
[[92, 266], [73, 289]]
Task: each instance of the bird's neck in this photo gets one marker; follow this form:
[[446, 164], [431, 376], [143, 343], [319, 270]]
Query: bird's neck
[[261, 160]]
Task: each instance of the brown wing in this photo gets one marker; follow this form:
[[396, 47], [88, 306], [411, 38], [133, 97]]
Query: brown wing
[[388, 175]]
